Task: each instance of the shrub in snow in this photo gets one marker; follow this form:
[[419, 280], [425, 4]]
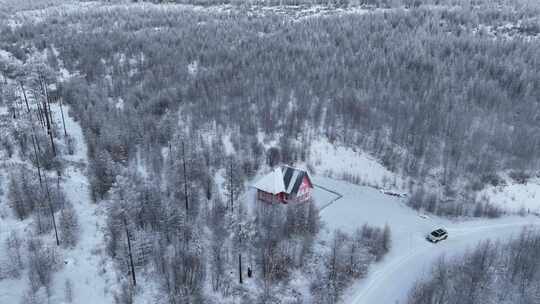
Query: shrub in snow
[[68, 291], [125, 295], [492, 179], [43, 260], [520, 177], [38, 296], [68, 226], [13, 254], [24, 193], [348, 258], [70, 145]]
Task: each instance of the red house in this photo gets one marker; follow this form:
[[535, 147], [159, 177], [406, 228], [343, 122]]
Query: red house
[[285, 185]]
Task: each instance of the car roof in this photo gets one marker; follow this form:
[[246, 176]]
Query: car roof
[[440, 230]]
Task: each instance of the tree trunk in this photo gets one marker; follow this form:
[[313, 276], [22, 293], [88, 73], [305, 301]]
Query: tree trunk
[[232, 190], [52, 213], [37, 160], [40, 115], [35, 142], [63, 120], [48, 116], [24, 95], [130, 254], [185, 176], [240, 268]]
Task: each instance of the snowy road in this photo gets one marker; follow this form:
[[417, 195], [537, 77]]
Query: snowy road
[[411, 256], [390, 281]]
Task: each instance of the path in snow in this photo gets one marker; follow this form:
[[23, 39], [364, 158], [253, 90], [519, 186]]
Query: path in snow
[[411, 256], [87, 266]]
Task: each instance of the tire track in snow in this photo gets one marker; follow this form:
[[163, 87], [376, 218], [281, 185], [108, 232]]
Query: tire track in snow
[[383, 273]]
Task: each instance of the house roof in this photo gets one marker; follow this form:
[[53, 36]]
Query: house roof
[[284, 179], [293, 177], [272, 182]]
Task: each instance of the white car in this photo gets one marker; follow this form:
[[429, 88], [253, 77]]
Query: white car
[[437, 235]]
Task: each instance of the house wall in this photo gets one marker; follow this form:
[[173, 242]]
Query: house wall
[[304, 192], [269, 197], [303, 195]]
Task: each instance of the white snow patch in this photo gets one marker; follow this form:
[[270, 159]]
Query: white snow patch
[[515, 197], [340, 161]]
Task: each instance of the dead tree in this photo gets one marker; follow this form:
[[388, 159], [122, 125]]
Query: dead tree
[[132, 266], [47, 98], [63, 120], [39, 114], [185, 177], [240, 280], [35, 142], [240, 246], [48, 117], [231, 185], [35, 145], [24, 95], [51, 209]]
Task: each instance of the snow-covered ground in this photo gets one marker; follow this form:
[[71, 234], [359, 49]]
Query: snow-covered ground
[[338, 161], [515, 197], [362, 204], [411, 256]]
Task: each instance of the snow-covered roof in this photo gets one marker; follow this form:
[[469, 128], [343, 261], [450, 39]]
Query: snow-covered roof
[[272, 182], [283, 179]]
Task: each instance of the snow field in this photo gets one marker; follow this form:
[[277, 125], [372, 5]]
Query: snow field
[[515, 197], [340, 161]]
